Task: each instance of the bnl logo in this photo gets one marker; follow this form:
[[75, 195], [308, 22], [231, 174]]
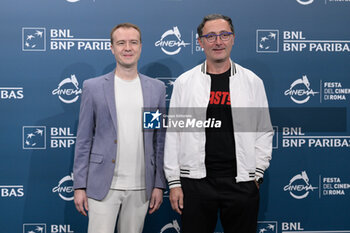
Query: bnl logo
[[267, 227], [33, 39], [34, 137], [34, 228], [267, 41], [151, 120]]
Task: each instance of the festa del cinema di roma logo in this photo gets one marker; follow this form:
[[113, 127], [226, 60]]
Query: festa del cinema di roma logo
[[305, 2], [170, 42], [174, 225], [65, 188], [300, 91], [68, 90], [299, 186]]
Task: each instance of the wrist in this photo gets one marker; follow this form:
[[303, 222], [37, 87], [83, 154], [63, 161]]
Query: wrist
[[259, 180]]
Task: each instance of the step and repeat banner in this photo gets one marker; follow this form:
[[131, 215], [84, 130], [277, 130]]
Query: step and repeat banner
[[299, 48]]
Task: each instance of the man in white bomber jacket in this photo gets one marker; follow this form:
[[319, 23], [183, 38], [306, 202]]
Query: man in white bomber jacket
[[219, 170]]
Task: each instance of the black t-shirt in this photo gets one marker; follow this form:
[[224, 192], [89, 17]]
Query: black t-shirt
[[220, 156]]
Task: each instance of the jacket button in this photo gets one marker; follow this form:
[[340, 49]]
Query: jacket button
[[115, 141], [113, 161]]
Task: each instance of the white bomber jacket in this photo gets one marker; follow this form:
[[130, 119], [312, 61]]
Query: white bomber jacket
[[184, 154]]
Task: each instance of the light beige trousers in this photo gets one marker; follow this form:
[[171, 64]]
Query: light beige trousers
[[129, 206]]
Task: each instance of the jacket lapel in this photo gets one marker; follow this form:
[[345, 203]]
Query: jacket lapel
[[110, 97], [146, 94], [146, 91]]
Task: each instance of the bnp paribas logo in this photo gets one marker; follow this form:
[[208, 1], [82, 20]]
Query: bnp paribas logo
[[34, 137], [267, 227], [267, 41], [34, 228], [33, 39]]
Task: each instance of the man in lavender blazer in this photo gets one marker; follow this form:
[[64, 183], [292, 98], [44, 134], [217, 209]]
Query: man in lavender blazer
[[96, 154]]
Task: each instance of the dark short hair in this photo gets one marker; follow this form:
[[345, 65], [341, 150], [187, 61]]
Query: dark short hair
[[213, 17], [125, 25]]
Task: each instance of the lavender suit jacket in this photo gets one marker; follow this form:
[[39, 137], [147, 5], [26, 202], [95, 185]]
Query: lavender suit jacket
[[96, 144]]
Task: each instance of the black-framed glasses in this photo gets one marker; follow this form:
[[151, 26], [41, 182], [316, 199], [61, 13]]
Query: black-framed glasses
[[211, 37]]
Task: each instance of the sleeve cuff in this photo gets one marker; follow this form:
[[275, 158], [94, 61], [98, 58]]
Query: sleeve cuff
[[174, 183], [259, 172]]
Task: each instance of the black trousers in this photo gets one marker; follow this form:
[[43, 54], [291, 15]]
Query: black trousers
[[237, 204]]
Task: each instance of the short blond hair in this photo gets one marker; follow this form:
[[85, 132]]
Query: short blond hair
[[125, 25]]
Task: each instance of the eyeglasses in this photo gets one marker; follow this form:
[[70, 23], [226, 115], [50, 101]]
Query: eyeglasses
[[212, 37]]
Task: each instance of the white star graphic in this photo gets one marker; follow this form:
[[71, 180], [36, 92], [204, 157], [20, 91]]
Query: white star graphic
[[156, 115]]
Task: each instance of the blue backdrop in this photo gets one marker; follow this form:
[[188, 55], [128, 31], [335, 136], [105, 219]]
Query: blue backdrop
[[300, 48]]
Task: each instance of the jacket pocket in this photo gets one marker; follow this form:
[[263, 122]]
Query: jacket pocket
[[96, 158]]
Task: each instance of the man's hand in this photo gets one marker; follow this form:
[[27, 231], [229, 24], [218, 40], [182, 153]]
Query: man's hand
[[257, 184], [176, 199], [80, 201], [156, 200]]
